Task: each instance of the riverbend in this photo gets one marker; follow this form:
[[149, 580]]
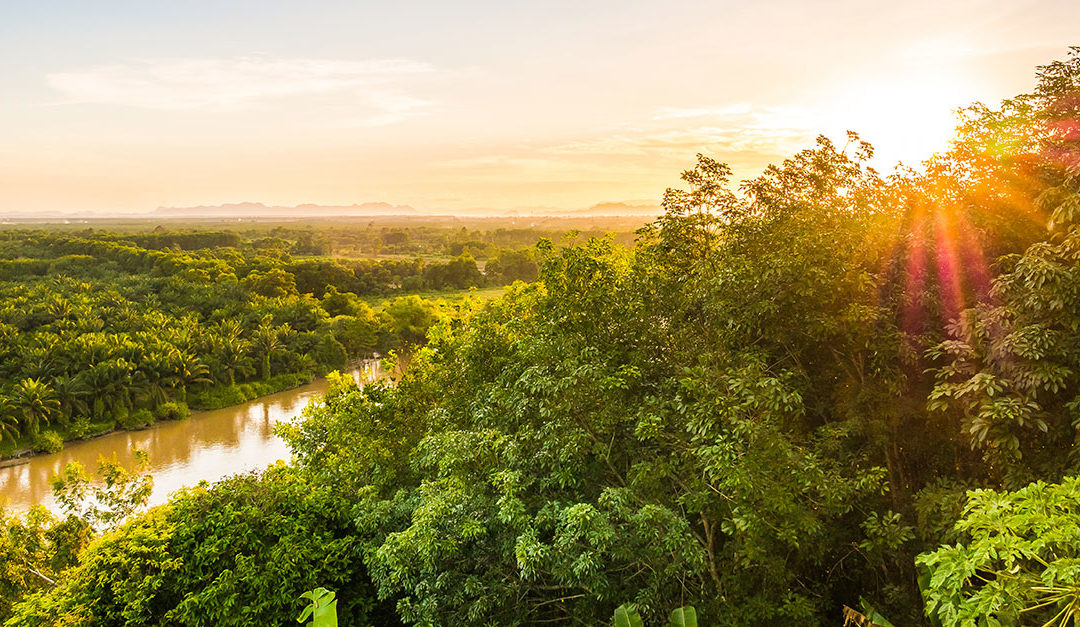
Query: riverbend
[[206, 447]]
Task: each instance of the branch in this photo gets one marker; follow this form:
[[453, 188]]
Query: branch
[[38, 573]]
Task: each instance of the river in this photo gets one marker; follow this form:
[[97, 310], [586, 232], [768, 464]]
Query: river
[[207, 446]]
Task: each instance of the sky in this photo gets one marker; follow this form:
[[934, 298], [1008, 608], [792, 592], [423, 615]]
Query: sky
[[124, 106]]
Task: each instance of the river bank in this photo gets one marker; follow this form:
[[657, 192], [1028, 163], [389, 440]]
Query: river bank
[[206, 447], [217, 397]]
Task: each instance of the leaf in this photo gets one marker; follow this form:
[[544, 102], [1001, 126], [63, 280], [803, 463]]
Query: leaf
[[876, 619], [683, 617], [322, 610], [627, 616]]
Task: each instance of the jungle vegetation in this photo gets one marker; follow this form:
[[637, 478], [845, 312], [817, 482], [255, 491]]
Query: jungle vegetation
[[101, 331], [825, 387]]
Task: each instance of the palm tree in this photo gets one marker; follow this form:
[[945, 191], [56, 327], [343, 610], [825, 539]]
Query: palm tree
[[108, 381], [35, 401], [39, 361], [266, 340], [230, 328], [189, 371], [231, 353], [71, 391], [9, 421]]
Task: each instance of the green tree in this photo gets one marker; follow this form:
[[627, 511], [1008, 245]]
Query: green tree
[[237, 553], [36, 403], [266, 340], [1010, 368], [1018, 565], [9, 421], [104, 505]]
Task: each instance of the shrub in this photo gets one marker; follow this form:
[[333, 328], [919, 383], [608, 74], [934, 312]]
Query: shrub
[[80, 427], [136, 419], [97, 428], [228, 395], [47, 442], [218, 397], [172, 411], [117, 416]]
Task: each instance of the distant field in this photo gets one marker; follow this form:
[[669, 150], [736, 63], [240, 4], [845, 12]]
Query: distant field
[[451, 296]]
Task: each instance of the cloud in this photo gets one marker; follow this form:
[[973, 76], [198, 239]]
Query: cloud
[[721, 131], [245, 83], [747, 136], [680, 113]]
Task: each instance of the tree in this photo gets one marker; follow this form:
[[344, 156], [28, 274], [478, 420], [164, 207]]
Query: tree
[[1018, 565], [188, 370], [36, 548], [122, 493], [410, 317], [266, 340], [35, 402], [341, 304], [235, 554], [273, 283], [512, 265], [9, 421], [1011, 366]]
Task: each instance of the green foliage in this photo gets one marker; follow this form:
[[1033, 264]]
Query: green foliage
[[513, 265], [547, 443], [172, 411], [323, 608], [683, 617], [766, 407], [106, 503], [626, 615], [47, 442], [409, 318], [127, 325], [35, 402], [238, 553], [36, 547], [1019, 561], [228, 395], [135, 419], [1010, 366]]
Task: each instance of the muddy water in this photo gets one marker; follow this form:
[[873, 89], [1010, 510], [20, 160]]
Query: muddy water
[[208, 446]]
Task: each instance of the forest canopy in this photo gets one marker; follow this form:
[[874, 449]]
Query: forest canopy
[[824, 387]]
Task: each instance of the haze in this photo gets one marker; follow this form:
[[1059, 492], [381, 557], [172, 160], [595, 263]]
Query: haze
[[126, 106]]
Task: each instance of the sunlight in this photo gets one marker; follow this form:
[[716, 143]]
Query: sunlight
[[906, 118]]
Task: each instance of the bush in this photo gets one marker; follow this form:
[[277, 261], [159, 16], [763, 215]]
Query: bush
[[47, 442], [218, 397], [97, 428], [172, 411], [117, 416], [80, 428], [136, 419], [228, 395]]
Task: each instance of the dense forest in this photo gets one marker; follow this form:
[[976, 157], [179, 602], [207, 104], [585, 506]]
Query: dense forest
[[101, 330], [824, 388]]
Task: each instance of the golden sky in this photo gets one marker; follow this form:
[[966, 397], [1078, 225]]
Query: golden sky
[[124, 106]]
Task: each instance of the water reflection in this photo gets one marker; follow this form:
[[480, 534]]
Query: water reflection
[[208, 446]]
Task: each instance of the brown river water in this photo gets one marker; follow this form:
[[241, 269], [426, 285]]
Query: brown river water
[[208, 446]]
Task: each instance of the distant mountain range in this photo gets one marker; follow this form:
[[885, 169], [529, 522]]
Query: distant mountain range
[[258, 209]]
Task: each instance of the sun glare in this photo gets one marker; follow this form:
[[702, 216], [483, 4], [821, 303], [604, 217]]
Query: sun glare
[[906, 119]]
